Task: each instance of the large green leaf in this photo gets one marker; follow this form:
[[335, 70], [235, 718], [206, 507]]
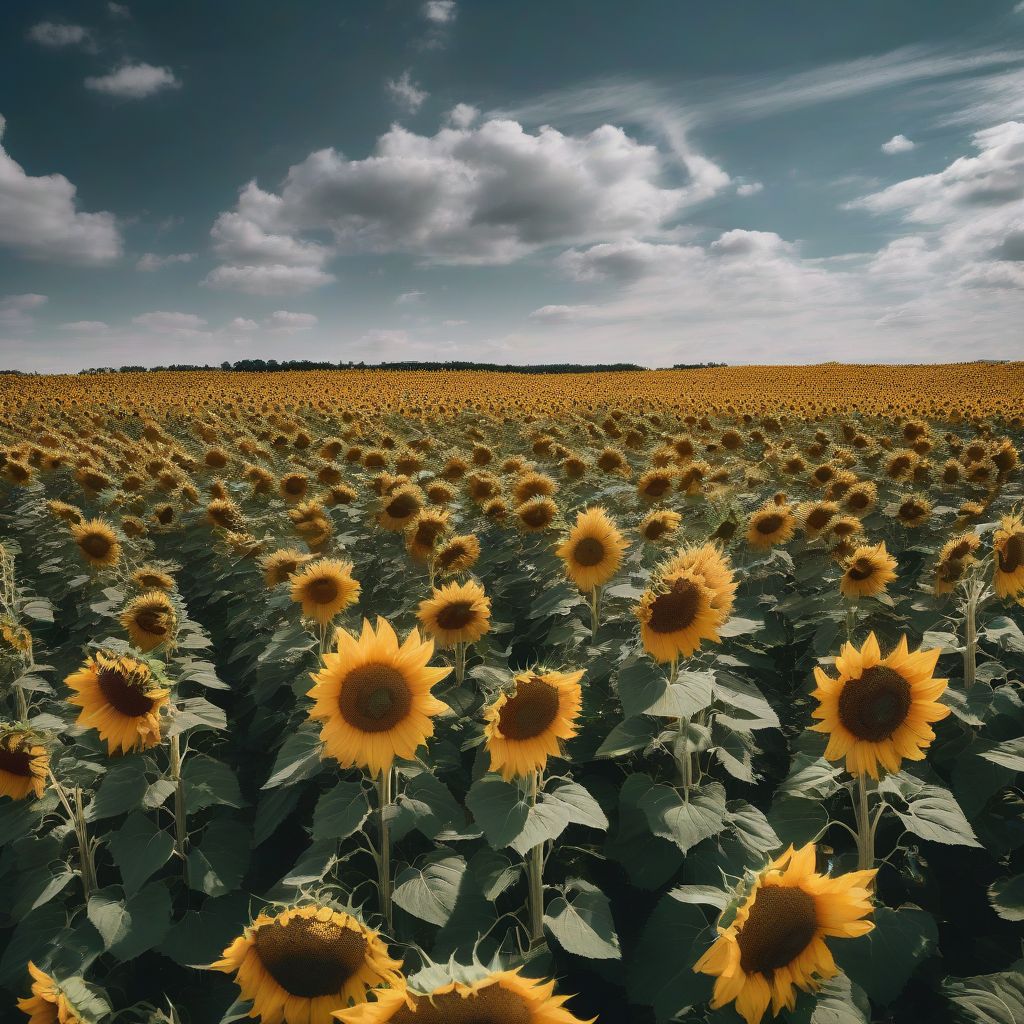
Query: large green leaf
[[581, 922], [298, 759], [576, 803], [930, 812], [429, 889], [340, 811], [200, 936], [130, 926], [988, 998], [499, 808], [1007, 897], [685, 819], [797, 821], [218, 860], [139, 847], [122, 789], [209, 783]]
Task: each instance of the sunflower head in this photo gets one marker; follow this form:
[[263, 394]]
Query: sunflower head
[[458, 613], [373, 697], [867, 572], [914, 510], [149, 620], [325, 588], [301, 964], [400, 507], [425, 532], [771, 525], [659, 525], [49, 1002], [293, 486], [281, 565], [879, 710], [525, 725], [535, 515], [24, 763], [774, 946], [97, 543], [458, 554], [677, 615], [593, 550], [149, 577], [1008, 555]]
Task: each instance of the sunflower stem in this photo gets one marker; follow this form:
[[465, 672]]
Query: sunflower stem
[[180, 819], [595, 612], [971, 635], [865, 829], [460, 662], [76, 815], [535, 868], [22, 702], [384, 797], [851, 620]]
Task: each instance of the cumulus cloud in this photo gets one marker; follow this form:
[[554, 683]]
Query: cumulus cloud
[[408, 298], [86, 327], [58, 35], [897, 144], [749, 188], [38, 218], [274, 279], [406, 93], [441, 12], [151, 261], [284, 322], [134, 81], [462, 115], [163, 322], [16, 311], [240, 323]]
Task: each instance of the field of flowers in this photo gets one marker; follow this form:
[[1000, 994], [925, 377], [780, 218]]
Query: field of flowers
[[480, 698]]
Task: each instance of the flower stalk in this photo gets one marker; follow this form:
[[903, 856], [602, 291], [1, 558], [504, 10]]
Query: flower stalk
[[535, 875], [385, 796], [180, 819], [76, 815]]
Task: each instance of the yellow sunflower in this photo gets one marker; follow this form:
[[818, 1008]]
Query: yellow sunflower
[[324, 588], [770, 525], [458, 613], [400, 507], [868, 571], [954, 560], [374, 698], [459, 554], [48, 1004], [24, 764], [281, 565], [304, 963], [775, 943], [712, 568], [120, 700], [524, 725], [659, 525], [502, 997], [97, 542], [592, 552], [425, 531], [535, 515], [149, 620], [149, 577], [879, 710], [914, 511], [676, 616], [1008, 549]]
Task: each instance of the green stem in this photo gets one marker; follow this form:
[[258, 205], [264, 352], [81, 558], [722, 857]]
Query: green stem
[[19, 696], [851, 620], [595, 612], [384, 797], [460, 663], [180, 819], [535, 868], [76, 815], [971, 636], [865, 829]]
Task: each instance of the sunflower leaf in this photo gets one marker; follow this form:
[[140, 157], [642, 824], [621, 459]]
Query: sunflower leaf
[[988, 998], [581, 922], [1007, 897], [139, 848], [430, 890], [686, 821], [930, 812]]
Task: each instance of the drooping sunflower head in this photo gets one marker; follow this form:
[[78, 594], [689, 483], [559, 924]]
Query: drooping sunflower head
[[770, 526], [400, 507], [868, 571], [325, 588], [879, 710], [775, 943], [65, 512], [150, 577], [459, 554], [816, 516], [24, 763], [281, 565], [593, 550], [713, 568], [955, 558], [861, 498], [49, 1002], [659, 525], [1008, 554], [300, 965], [149, 620], [535, 515], [120, 700], [525, 725], [532, 484], [97, 543], [373, 697], [425, 532], [458, 613], [914, 510], [676, 616], [499, 997], [293, 486], [224, 514], [655, 484]]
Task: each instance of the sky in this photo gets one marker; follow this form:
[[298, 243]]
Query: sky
[[669, 181]]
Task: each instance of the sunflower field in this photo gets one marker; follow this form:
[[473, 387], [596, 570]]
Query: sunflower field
[[475, 698]]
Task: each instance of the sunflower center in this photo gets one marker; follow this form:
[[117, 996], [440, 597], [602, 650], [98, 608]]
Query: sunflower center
[[537, 515], [375, 698], [657, 487], [152, 620], [862, 569], [310, 958], [456, 615], [322, 590], [675, 609], [911, 510], [781, 925], [529, 711], [1011, 558], [123, 695], [876, 705], [654, 529], [95, 544], [769, 524], [16, 762], [295, 484], [818, 517], [857, 499], [589, 552], [402, 507], [450, 555]]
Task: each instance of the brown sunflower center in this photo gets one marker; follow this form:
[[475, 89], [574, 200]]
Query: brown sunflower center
[[310, 958], [1011, 557], [295, 484], [876, 705], [675, 609], [655, 529], [862, 569], [402, 507], [818, 517], [322, 590], [16, 762], [588, 552], [657, 486], [152, 619], [95, 544], [450, 555], [769, 524], [456, 615], [375, 697], [781, 925], [529, 711], [124, 695], [911, 510], [491, 1005], [537, 515]]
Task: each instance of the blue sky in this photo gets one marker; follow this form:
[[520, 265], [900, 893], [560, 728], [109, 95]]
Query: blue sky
[[660, 182]]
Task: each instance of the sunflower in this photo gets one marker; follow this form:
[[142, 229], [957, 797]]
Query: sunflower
[[659, 525], [324, 588], [149, 577], [501, 997], [914, 510], [24, 763], [712, 568], [149, 620], [459, 554], [293, 486], [524, 725], [374, 698], [816, 516], [592, 552], [955, 558], [120, 700], [305, 962], [281, 565], [458, 613], [655, 484], [534, 515], [868, 571], [1008, 549], [879, 710], [425, 531], [860, 498], [97, 542], [400, 507], [770, 525], [775, 943], [48, 1003], [676, 615]]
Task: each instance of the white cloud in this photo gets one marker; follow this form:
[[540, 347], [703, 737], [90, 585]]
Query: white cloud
[[284, 322], [379, 340], [408, 298], [134, 81], [58, 35], [151, 261], [897, 144], [38, 219], [274, 279], [16, 311], [441, 12], [749, 188], [118, 10], [454, 323], [462, 115], [163, 322], [404, 91], [564, 314], [86, 327], [240, 323]]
